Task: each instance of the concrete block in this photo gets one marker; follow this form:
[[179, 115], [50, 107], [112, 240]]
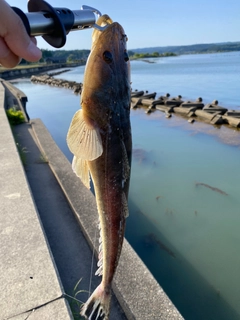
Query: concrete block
[[232, 121]]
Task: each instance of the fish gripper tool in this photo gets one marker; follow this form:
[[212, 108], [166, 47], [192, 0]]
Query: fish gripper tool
[[53, 24]]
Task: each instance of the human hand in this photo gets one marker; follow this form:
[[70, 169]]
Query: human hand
[[15, 43]]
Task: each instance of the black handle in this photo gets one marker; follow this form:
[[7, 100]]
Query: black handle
[[63, 21], [24, 18]]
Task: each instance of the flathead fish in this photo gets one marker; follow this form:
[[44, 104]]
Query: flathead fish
[[100, 139]]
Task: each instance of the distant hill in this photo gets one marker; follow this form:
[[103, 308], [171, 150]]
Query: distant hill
[[195, 48]]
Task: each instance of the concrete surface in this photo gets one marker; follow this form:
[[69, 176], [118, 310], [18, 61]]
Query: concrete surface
[[55, 310], [28, 276]]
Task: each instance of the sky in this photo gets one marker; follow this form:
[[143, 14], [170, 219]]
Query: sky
[[156, 23]]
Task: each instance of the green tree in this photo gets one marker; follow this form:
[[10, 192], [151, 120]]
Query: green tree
[[130, 53], [46, 53], [71, 58]]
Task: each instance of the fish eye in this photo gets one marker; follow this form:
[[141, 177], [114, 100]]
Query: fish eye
[[107, 56], [126, 57], [125, 36]]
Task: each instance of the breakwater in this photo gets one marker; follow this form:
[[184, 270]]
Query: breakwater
[[29, 71], [193, 110], [50, 80]]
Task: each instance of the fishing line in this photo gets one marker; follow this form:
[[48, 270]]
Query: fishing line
[[91, 272], [73, 298]]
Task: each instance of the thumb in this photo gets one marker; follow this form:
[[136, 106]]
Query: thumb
[[19, 41], [15, 36]]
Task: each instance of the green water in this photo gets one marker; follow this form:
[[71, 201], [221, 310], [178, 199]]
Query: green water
[[199, 227]]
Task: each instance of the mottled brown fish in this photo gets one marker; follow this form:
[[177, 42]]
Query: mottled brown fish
[[100, 139]]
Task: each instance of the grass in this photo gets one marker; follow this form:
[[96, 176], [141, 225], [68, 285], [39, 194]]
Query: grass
[[15, 116], [74, 303], [43, 158], [33, 65], [24, 66], [22, 153]]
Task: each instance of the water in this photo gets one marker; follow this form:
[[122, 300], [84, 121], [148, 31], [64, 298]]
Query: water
[[187, 234], [210, 76]]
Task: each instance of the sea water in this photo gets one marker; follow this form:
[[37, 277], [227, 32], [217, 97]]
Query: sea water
[[210, 76], [184, 195]]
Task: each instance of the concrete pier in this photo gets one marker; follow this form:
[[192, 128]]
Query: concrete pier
[[48, 225]]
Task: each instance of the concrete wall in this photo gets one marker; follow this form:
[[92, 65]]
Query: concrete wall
[[27, 72]]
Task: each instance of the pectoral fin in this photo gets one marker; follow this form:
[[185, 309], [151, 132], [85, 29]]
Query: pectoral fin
[[84, 139], [80, 167]]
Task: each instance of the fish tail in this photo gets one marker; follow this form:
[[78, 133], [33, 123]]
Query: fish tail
[[98, 305]]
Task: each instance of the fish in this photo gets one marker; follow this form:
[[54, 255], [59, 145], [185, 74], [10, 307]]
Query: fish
[[141, 155], [151, 240], [100, 139], [210, 187]]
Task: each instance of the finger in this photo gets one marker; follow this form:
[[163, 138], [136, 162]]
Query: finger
[[20, 43], [34, 40], [16, 37], [7, 58]]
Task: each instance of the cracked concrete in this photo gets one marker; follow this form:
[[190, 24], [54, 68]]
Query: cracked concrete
[[51, 311]]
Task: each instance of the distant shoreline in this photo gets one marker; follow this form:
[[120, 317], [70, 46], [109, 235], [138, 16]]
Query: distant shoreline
[[145, 56], [191, 49], [202, 53]]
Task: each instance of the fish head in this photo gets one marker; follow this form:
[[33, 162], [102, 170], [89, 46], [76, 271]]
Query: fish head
[[107, 73]]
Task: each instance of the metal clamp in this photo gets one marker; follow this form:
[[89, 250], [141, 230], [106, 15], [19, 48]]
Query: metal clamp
[[53, 24]]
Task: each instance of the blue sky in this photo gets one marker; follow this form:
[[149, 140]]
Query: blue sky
[[151, 23]]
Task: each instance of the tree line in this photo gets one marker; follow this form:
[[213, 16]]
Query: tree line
[[56, 56], [152, 55]]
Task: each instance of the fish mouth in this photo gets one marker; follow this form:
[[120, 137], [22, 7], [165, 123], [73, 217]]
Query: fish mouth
[[104, 20], [108, 25]]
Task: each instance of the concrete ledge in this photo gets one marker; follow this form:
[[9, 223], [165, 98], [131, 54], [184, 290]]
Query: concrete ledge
[[137, 291], [15, 97], [28, 72], [28, 275]]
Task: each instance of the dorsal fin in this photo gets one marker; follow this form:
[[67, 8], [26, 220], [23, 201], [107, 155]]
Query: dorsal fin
[[83, 138]]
